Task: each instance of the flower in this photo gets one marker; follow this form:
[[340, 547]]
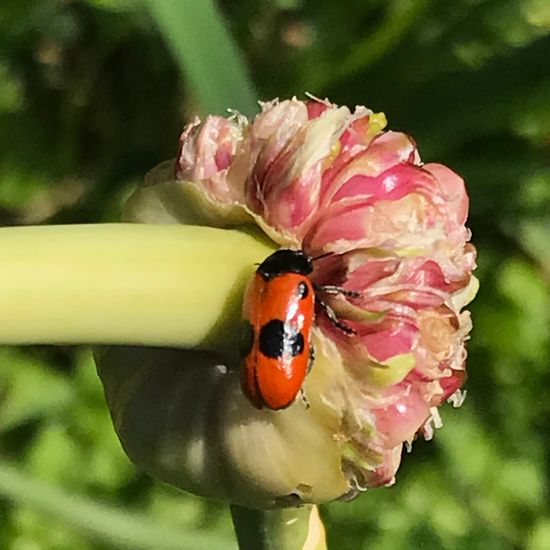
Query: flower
[[391, 231], [321, 178]]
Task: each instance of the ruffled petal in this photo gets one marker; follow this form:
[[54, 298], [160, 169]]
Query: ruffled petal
[[391, 233]]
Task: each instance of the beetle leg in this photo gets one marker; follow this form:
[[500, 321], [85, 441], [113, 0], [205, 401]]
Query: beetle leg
[[333, 290], [334, 318], [311, 359], [304, 399]]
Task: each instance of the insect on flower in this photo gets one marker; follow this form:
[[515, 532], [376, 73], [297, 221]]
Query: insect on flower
[[313, 177], [278, 314]]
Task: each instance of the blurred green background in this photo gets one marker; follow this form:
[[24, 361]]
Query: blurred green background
[[93, 93]]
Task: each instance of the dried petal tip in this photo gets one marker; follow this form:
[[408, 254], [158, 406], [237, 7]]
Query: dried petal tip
[[324, 179]]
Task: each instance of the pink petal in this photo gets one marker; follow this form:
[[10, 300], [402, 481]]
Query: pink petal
[[370, 272], [216, 146], [316, 108], [187, 154], [391, 341], [401, 420], [392, 184], [358, 133], [270, 135], [285, 191], [452, 383], [206, 154], [385, 473], [384, 152], [454, 191], [291, 205], [367, 223]]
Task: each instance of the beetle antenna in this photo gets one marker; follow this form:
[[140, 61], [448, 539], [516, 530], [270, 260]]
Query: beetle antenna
[[322, 256]]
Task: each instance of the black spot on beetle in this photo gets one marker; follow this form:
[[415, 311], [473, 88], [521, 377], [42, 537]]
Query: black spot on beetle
[[272, 336], [246, 339], [302, 290], [278, 338], [296, 344]]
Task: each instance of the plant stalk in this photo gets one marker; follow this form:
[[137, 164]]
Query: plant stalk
[[282, 529], [157, 285]]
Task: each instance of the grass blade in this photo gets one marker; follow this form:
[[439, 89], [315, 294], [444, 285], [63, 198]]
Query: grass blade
[[206, 54], [103, 522]]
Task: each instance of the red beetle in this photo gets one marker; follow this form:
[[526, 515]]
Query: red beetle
[[275, 342], [278, 313]]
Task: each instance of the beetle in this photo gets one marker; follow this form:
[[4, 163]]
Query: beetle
[[275, 344]]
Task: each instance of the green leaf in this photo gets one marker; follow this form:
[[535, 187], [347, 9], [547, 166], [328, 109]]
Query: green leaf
[[206, 54], [400, 18]]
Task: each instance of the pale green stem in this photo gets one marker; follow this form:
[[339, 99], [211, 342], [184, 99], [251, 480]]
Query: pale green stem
[[284, 529], [159, 285]]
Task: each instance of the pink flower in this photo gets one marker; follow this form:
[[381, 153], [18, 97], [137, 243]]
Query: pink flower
[[321, 178]]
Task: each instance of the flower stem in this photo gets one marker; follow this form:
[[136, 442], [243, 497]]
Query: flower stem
[[159, 285], [284, 529]]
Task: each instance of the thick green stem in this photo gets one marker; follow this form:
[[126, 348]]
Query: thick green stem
[[159, 285], [284, 529]]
